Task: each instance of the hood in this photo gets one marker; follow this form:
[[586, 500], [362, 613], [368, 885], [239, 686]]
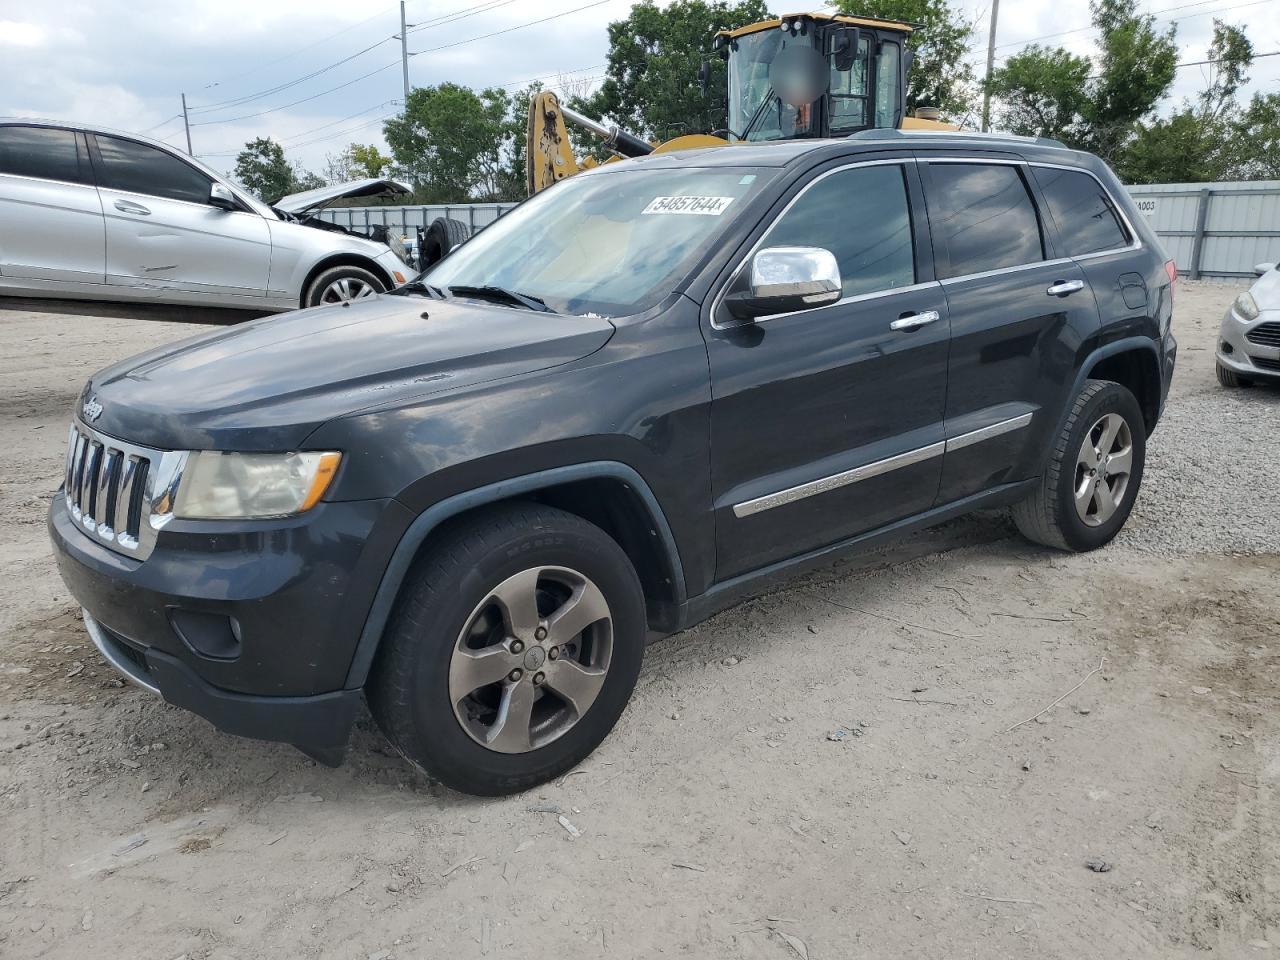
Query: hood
[[266, 385], [1266, 290], [310, 201]]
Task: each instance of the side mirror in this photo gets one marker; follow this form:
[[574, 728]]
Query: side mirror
[[1261, 268], [222, 198], [787, 279]]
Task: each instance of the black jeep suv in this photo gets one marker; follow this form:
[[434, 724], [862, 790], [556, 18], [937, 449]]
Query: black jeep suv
[[631, 401]]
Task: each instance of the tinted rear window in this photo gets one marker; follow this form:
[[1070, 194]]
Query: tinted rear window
[[40, 152], [138, 168], [1086, 219], [986, 217]]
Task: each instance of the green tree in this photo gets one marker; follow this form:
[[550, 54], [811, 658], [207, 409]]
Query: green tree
[[451, 142], [941, 75], [262, 167], [1042, 93], [1256, 137], [651, 85], [1201, 141], [357, 161], [1135, 70], [1095, 106]]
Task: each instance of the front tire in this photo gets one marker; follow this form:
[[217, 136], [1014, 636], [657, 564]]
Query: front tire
[[342, 284], [512, 651], [1094, 471], [1229, 378]]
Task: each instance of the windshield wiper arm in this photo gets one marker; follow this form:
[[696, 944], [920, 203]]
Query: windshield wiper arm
[[769, 97], [417, 286], [502, 293]]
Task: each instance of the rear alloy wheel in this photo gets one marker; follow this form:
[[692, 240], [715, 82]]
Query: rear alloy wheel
[[1103, 468], [345, 284], [512, 651], [1093, 473]]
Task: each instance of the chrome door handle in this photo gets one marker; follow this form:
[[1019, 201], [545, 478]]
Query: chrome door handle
[[1063, 287], [915, 320], [124, 206]]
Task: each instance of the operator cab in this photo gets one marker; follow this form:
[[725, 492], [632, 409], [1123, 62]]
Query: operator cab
[[814, 75]]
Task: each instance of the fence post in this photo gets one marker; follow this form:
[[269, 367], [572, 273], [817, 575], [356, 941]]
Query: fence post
[[1197, 241]]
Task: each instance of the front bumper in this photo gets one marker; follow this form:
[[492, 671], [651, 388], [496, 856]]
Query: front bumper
[[1241, 355], [252, 626], [317, 723]]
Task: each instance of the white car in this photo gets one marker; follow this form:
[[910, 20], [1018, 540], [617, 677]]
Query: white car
[[97, 214], [1249, 338]]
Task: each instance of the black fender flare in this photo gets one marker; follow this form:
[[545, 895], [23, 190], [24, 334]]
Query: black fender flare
[[418, 531], [1098, 354]]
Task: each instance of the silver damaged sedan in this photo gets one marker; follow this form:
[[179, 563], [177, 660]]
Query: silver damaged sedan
[[1249, 338], [102, 215]]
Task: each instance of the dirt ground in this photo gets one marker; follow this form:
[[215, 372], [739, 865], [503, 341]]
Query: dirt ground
[[836, 770]]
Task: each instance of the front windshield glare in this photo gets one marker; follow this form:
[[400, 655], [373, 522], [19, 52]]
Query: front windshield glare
[[611, 243]]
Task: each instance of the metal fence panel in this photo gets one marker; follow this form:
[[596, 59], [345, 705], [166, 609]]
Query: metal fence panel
[[1217, 230]]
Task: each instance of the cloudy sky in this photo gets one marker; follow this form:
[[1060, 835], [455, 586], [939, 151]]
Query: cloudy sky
[[317, 74]]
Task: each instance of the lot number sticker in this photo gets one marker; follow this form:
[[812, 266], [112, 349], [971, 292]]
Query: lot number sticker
[[1147, 206], [705, 206]]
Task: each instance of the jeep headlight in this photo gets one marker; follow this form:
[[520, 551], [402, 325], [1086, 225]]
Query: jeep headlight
[[1246, 307], [218, 485]]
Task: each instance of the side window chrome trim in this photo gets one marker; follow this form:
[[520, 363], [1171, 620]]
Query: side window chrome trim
[[742, 264], [1135, 241], [1056, 262]]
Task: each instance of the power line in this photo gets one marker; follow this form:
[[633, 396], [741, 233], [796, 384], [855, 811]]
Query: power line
[[1201, 63], [334, 123], [249, 98], [315, 96], [463, 14], [1154, 13], [162, 123], [312, 45], [519, 26]]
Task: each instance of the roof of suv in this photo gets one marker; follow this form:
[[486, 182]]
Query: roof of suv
[[780, 153]]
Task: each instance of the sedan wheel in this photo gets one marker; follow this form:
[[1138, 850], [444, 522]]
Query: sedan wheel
[[1102, 469], [531, 659], [346, 289]]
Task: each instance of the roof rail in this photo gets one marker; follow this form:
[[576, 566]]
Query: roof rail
[[893, 134]]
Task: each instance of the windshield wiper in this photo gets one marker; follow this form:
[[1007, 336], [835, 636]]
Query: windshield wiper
[[417, 286], [769, 97], [502, 293]]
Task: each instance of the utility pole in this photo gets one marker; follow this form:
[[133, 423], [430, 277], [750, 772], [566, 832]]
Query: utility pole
[[404, 53], [991, 60], [187, 124]]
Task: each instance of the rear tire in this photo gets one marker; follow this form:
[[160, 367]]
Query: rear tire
[[459, 697], [1093, 474], [1229, 378], [342, 284]]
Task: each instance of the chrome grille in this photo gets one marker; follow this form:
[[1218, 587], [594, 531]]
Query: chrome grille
[[118, 493], [1265, 334]]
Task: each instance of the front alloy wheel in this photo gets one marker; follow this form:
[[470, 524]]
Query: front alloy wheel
[[531, 659], [347, 289]]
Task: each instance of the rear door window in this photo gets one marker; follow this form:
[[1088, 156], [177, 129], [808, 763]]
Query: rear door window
[[985, 216], [1085, 216], [861, 215], [41, 152], [138, 168]]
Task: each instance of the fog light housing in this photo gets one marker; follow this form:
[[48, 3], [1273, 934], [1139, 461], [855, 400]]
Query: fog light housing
[[214, 636]]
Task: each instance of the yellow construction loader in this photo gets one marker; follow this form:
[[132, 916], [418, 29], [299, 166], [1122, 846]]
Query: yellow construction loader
[[803, 75]]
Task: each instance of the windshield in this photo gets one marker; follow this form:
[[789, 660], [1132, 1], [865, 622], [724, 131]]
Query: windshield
[[779, 84], [611, 243]]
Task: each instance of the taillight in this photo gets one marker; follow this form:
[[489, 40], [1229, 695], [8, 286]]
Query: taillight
[[1171, 269]]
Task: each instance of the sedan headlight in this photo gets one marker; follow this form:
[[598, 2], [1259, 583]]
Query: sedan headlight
[[1246, 307], [396, 243], [217, 485]]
